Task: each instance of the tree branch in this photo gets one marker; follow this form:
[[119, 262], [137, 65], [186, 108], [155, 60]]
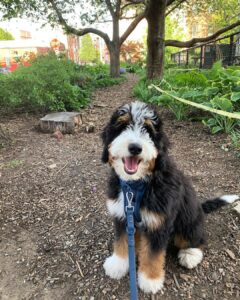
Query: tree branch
[[131, 27], [174, 7], [193, 42], [137, 1], [118, 8], [169, 2], [78, 32], [109, 6], [132, 3]]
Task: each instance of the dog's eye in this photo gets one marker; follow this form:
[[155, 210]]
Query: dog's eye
[[155, 119], [121, 113]]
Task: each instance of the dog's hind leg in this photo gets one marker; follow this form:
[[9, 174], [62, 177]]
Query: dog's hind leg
[[189, 238]]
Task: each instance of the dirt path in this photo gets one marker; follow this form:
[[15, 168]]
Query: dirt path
[[55, 233]]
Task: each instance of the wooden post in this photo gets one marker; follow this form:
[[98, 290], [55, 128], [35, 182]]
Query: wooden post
[[187, 58], [201, 57], [231, 51]]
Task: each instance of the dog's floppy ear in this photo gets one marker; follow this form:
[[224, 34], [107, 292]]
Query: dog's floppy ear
[[105, 153], [162, 139], [162, 157], [108, 135], [164, 143]]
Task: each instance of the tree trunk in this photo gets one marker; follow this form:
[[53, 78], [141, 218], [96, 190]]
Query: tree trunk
[[114, 61], [155, 41], [114, 49]]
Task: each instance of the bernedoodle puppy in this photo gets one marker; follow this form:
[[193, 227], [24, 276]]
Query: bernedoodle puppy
[[136, 148]]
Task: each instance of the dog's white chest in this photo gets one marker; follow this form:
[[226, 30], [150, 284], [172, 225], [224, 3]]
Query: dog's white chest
[[116, 207], [148, 219]]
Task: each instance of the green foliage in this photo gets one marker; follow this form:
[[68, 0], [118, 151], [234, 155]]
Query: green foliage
[[173, 31], [14, 163], [136, 67], [50, 84], [218, 88], [141, 91], [88, 52], [235, 138], [5, 35]]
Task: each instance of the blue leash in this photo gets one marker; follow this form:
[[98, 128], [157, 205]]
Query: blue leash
[[129, 210], [133, 192]]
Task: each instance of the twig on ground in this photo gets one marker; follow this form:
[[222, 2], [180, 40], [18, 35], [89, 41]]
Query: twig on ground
[[79, 268], [61, 168], [176, 281]]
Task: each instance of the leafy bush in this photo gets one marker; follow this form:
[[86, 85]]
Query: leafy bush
[[235, 137], [51, 84], [218, 88], [5, 35], [136, 67], [88, 51], [132, 51], [219, 123]]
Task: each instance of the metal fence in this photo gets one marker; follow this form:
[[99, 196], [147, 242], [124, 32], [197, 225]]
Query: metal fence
[[226, 49]]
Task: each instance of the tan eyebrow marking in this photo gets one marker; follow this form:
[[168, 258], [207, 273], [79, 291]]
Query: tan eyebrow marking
[[124, 118], [149, 123]]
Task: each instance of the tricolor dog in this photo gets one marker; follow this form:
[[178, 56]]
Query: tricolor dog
[[136, 148]]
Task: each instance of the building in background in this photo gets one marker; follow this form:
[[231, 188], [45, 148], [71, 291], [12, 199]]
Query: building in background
[[73, 48], [197, 25], [15, 51], [33, 37], [30, 39]]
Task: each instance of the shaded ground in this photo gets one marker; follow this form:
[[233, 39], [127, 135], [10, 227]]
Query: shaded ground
[[55, 233]]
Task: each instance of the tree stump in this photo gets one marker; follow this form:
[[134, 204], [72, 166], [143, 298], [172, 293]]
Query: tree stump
[[66, 122]]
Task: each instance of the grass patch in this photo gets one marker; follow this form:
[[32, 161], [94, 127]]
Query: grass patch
[[14, 163]]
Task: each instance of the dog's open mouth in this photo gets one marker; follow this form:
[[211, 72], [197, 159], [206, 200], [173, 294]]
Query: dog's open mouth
[[131, 164]]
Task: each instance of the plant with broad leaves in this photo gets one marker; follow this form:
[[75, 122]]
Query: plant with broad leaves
[[235, 138], [219, 123]]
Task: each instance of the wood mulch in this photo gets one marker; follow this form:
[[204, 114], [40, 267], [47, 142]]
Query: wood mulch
[[54, 230]]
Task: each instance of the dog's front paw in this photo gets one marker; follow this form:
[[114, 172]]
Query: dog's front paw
[[149, 285], [116, 267], [190, 257]]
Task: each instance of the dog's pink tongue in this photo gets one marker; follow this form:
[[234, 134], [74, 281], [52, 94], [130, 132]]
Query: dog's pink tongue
[[131, 164]]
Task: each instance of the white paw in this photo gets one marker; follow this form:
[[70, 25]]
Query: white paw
[[116, 267], [190, 257], [149, 285]]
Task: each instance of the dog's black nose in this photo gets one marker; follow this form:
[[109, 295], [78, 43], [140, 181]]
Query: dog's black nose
[[135, 149]]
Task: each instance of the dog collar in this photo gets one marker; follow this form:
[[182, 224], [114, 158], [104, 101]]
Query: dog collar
[[137, 189]]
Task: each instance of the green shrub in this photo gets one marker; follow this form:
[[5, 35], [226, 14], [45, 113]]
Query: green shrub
[[235, 138], [141, 91], [136, 67], [218, 88], [88, 51], [51, 84]]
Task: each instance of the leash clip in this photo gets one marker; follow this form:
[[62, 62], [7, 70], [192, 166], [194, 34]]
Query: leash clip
[[129, 196]]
